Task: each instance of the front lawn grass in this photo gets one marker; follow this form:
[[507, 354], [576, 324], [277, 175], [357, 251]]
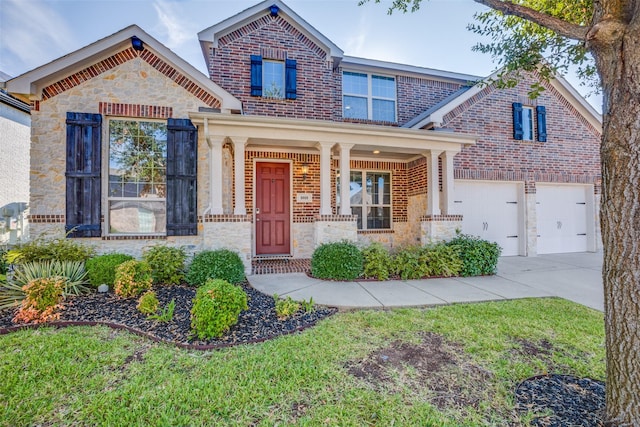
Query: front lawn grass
[[354, 369]]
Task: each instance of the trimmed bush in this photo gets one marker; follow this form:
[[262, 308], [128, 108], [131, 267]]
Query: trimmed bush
[[102, 269], [167, 264], [442, 260], [59, 249], [132, 278], [216, 308], [377, 261], [148, 303], [410, 263], [220, 264], [43, 297], [337, 260], [479, 257]]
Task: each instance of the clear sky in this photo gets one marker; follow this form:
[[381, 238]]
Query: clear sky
[[34, 32]]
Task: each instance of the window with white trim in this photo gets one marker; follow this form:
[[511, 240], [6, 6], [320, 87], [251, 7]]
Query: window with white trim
[[370, 198], [272, 79], [368, 97], [137, 177], [527, 124]]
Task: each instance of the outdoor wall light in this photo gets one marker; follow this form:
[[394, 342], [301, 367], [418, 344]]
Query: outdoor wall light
[[274, 9], [305, 171], [136, 43]]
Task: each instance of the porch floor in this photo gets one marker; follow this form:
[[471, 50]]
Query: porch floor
[[278, 266]]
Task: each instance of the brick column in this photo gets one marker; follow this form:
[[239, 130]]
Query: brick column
[[433, 182], [238, 161], [325, 177], [345, 169]]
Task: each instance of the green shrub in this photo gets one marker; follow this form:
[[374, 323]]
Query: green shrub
[[73, 273], [285, 308], [308, 306], [166, 315], [43, 297], [4, 264], [442, 260], [216, 308], [377, 261], [132, 278], [410, 263], [167, 264], [59, 249], [479, 257], [148, 303], [102, 269], [338, 260], [220, 264]]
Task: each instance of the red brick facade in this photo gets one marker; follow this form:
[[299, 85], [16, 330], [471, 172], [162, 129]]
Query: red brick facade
[[570, 154]]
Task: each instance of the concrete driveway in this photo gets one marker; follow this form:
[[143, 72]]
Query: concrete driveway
[[576, 277]]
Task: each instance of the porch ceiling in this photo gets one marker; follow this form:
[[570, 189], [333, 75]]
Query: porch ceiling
[[285, 133]]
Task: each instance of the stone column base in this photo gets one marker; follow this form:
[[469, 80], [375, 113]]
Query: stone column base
[[335, 228], [231, 232], [435, 228]]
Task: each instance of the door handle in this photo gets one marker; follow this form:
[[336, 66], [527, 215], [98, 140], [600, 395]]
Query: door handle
[[257, 211]]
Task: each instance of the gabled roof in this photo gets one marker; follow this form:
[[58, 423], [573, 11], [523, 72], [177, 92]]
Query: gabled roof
[[214, 33], [30, 84], [435, 115]]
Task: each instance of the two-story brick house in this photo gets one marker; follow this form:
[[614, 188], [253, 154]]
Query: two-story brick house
[[131, 144]]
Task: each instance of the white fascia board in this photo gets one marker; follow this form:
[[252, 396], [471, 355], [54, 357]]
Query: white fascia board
[[215, 32], [32, 82], [363, 64], [286, 129]]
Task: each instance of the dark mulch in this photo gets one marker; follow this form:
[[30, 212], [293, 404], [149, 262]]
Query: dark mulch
[[573, 401], [258, 323]]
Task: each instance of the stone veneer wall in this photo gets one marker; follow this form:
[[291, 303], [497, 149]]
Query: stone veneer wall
[[113, 90], [334, 228], [303, 239], [438, 228], [531, 224], [231, 232]]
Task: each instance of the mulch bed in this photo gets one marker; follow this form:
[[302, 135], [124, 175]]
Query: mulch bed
[[573, 401], [256, 324]]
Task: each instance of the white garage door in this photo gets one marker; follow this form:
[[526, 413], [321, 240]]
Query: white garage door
[[491, 210], [561, 212]]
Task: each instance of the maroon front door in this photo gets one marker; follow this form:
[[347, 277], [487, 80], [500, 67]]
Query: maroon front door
[[273, 209]]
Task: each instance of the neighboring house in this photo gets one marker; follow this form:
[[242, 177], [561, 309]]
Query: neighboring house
[[15, 134], [131, 144]]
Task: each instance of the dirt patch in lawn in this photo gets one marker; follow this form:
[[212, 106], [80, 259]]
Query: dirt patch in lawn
[[435, 368]]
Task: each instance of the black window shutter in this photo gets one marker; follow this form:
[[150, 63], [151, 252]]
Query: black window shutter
[[83, 189], [290, 78], [182, 162], [541, 113], [517, 121], [256, 75]]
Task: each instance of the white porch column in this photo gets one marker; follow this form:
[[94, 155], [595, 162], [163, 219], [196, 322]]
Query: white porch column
[[238, 160], [215, 171], [447, 196], [345, 169], [433, 184], [325, 177]]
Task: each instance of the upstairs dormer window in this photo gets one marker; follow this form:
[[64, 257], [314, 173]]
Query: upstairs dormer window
[[273, 79], [368, 97]]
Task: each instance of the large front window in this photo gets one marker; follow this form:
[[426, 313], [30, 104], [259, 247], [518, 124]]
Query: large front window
[[370, 198], [137, 177], [368, 97]]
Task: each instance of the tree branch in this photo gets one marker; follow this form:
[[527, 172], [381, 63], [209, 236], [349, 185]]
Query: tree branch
[[563, 28]]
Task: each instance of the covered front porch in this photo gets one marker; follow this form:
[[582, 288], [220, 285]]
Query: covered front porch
[[275, 183]]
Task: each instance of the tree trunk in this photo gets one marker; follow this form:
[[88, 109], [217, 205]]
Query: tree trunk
[[618, 61]]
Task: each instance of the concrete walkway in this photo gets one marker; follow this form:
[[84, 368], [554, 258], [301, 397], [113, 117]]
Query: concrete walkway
[[576, 277]]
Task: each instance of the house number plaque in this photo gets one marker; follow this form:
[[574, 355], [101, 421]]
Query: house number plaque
[[304, 197]]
